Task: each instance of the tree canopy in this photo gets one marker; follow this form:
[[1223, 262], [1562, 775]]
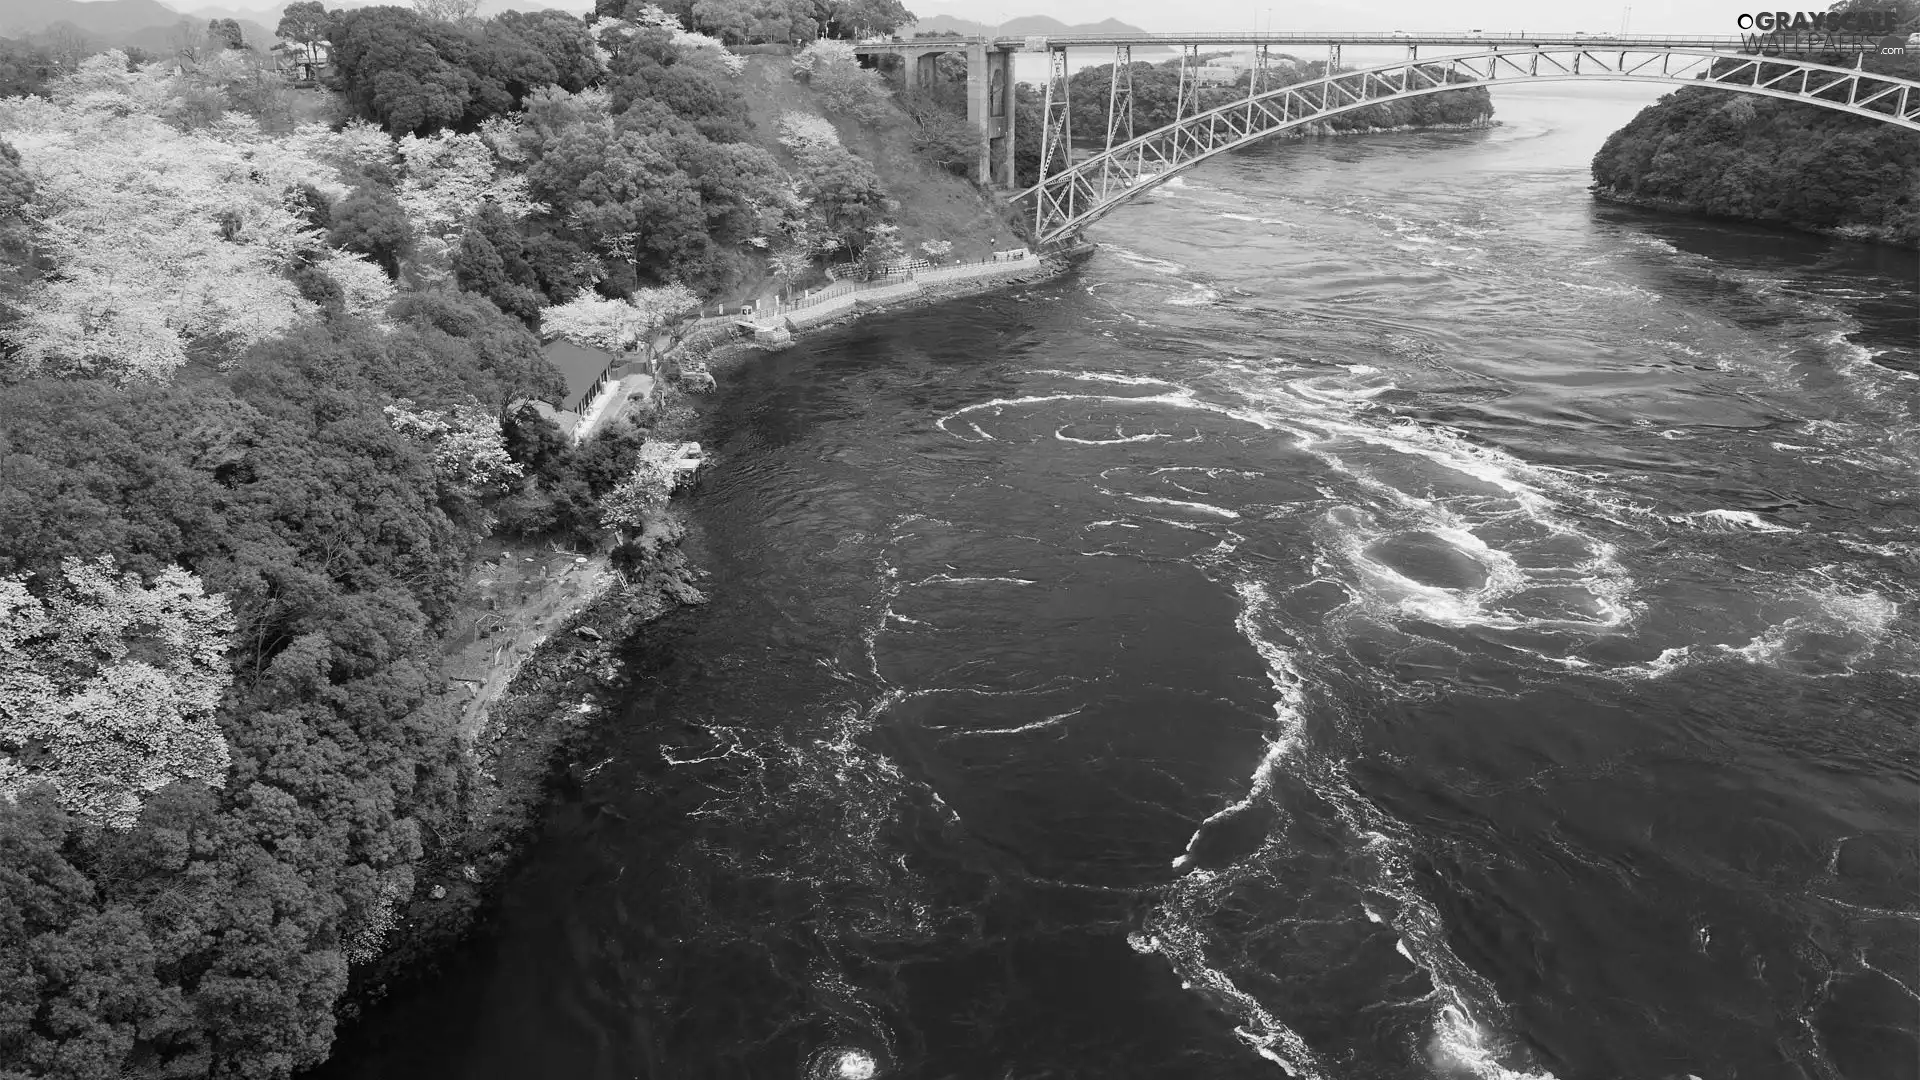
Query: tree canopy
[[1784, 162]]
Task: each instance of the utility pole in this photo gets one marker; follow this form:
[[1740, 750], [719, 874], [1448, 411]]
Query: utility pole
[[1626, 19]]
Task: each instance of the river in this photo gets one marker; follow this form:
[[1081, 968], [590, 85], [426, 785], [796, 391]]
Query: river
[[1383, 615]]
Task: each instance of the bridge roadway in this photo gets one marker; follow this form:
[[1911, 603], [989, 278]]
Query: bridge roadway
[[1082, 189], [1730, 43]]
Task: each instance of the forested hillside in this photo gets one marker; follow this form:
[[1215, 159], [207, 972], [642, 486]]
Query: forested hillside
[[261, 391], [1749, 158]]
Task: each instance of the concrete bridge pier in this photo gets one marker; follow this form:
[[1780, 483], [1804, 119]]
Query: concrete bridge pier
[[990, 110], [990, 95]]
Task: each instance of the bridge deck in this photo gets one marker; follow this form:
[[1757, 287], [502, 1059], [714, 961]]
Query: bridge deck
[[1731, 42]]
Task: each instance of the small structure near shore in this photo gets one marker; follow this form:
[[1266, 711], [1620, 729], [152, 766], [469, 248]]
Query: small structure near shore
[[592, 378]]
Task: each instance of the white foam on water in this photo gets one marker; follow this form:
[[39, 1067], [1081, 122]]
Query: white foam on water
[[1199, 507], [1116, 440], [1289, 706], [1846, 626], [1038, 725], [1179, 398], [1160, 266], [1184, 949], [1459, 1044], [1733, 519], [1104, 376], [1196, 296], [948, 579], [1465, 1001]]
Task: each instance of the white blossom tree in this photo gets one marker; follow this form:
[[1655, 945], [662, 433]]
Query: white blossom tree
[[805, 133], [618, 325], [824, 53], [108, 687], [161, 241], [469, 451], [790, 262], [447, 175], [651, 17], [637, 506]]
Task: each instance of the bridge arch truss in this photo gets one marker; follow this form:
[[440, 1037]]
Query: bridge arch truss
[[1072, 195]]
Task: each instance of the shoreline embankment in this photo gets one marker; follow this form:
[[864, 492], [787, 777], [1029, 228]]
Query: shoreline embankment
[[1861, 234], [534, 660]]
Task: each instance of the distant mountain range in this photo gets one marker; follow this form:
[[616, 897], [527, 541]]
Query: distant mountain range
[[1025, 26], [150, 24]]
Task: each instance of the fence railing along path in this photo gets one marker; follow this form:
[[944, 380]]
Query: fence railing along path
[[766, 311]]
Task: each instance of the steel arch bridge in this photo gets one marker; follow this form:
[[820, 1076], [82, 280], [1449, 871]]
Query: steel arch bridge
[[1069, 198]]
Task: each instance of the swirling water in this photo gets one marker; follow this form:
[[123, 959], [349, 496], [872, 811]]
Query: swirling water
[[1384, 615]]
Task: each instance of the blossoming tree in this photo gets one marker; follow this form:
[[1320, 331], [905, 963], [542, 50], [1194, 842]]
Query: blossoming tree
[[108, 687]]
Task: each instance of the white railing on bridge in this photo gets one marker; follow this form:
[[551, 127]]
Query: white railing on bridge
[[1846, 42]]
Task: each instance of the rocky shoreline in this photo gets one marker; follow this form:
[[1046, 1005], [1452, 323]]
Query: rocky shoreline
[[1865, 234], [524, 729]]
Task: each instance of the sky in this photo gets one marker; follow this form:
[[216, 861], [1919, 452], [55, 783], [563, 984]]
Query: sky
[[1605, 16], [1647, 16]]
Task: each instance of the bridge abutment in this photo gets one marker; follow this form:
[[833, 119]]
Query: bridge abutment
[[989, 94]]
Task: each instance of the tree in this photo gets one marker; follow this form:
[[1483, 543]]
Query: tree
[[864, 18], [637, 506], [468, 454], [788, 263], [25, 68], [303, 22], [847, 89], [618, 325], [883, 249], [371, 222], [526, 51], [188, 40], [164, 242], [225, 34], [491, 263], [450, 11], [948, 141], [108, 687], [407, 72]]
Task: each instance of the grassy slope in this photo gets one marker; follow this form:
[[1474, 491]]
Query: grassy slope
[[934, 204]]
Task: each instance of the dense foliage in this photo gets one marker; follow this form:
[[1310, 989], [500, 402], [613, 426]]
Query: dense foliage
[[791, 21], [263, 388], [410, 73], [1762, 159]]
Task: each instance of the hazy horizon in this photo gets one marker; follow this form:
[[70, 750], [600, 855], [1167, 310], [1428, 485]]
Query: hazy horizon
[[1661, 16]]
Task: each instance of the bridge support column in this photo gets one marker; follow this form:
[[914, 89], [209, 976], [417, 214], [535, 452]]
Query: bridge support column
[[1000, 114], [989, 85], [926, 70]]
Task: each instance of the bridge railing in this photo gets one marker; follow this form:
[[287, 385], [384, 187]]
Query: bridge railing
[[1846, 43]]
